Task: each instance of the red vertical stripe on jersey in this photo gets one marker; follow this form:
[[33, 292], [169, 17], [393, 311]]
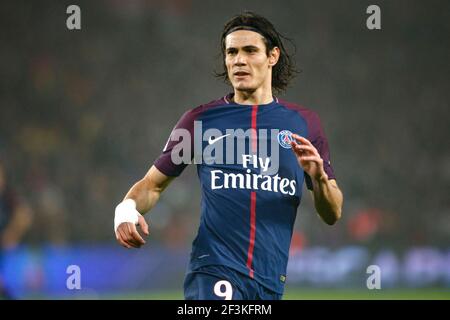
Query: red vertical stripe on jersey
[[251, 246], [254, 135]]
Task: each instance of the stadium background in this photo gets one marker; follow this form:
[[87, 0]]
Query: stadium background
[[83, 114]]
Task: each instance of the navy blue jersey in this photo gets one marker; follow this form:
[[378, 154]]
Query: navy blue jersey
[[247, 211]]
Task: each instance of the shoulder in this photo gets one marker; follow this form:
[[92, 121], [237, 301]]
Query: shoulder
[[196, 111], [193, 114], [309, 115]]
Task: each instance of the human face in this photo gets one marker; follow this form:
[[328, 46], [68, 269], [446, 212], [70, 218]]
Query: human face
[[248, 65]]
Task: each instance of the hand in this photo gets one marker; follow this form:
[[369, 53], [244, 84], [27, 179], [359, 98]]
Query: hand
[[125, 220], [308, 157], [128, 236]]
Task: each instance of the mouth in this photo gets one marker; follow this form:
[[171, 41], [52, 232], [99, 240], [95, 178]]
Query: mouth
[[239, 74]]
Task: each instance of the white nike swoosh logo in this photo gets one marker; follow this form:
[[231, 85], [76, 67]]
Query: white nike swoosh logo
[[203, 256], [211, 140]]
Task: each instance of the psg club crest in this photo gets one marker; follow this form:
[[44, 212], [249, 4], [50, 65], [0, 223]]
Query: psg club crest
[[285, 138]]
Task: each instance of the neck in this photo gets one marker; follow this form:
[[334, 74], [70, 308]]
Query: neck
[[255, 97]]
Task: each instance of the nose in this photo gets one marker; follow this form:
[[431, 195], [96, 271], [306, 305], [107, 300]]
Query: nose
[[239, 60]]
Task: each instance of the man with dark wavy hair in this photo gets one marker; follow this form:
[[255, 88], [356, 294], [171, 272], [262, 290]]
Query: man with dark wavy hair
[[249, 202], [283, 70]]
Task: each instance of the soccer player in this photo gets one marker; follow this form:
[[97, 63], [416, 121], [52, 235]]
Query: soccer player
[[250, 199]]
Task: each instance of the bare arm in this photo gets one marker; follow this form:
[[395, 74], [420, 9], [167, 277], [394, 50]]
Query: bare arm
[[146, 192], [328, 198], [141, 198]]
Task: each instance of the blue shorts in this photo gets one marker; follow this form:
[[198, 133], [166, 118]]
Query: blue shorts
[[222, 283]]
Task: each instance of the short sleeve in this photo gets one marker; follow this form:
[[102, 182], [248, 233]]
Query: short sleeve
[[169, 161], [319, 140]]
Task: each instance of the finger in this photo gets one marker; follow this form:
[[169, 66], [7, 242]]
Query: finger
[[294, 148], [301, 139], [138, 238], [124, 244], [310, 148], [124, 228], [126, 237], [144, 225], [302, 150], [121, 238], [135, 235], [310, 158]]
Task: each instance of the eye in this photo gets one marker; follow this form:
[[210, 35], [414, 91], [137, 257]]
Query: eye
[[251, 50]]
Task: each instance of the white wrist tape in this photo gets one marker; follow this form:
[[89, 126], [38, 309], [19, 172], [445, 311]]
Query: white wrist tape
[[126, 212]]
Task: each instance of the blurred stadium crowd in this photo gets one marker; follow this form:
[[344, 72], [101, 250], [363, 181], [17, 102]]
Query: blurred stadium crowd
[[83, 114]]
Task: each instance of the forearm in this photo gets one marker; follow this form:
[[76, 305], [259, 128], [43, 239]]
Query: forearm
[[146, 192], [141, 198], [327, 199]]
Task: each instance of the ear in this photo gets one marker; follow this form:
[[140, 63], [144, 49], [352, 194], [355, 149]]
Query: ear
[[274, 55]]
